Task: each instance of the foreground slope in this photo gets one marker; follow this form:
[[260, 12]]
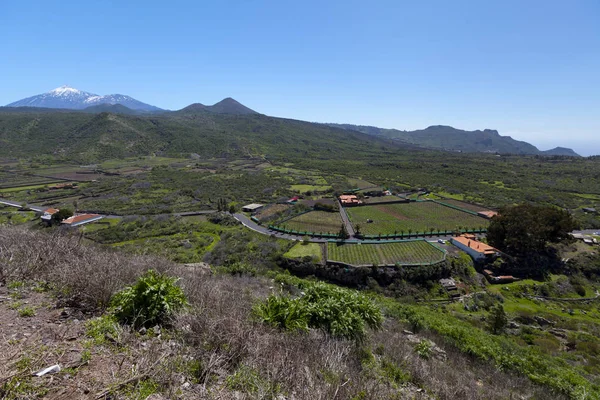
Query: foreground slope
[[215, 349]]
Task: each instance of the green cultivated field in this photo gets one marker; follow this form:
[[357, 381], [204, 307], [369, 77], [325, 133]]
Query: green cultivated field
[[302, 250], [415, 252], [418, 217], [315, 221]]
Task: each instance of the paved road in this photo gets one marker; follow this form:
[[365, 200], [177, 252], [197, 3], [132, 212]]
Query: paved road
[[346, 220], [13, 204], [248, 223]]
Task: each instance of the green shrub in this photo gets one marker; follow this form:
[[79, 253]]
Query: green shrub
[[394, 373], [340, 312], [238, 268], [424, 349], [102, 328], [497, 320], [282, 312], [579, 289], [150, 301], [26, 312]]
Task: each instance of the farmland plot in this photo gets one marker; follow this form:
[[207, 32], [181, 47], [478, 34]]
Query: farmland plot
[[466, 206], [413, 217], [413, 252], [315, 221]]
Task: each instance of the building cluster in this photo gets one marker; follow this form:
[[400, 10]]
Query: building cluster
[[349, 200], [75, 220]]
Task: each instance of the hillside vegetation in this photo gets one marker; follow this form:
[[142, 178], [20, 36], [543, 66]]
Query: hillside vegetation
[[217, 348]]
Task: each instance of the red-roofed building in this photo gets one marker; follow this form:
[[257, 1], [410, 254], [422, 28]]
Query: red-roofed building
[[349, 200], [81, 219], [47, 216], [476, 249]]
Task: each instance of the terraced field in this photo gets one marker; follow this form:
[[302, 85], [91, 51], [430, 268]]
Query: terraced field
[[412, 217], [315, 221], [413, 252]]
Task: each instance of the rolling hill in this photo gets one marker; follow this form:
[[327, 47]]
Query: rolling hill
[[225, 106], [88, 137]]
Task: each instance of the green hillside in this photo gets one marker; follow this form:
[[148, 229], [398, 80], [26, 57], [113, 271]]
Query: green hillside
[[94, 137]]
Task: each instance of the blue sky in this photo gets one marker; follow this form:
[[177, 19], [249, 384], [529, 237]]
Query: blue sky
[[530, 69]]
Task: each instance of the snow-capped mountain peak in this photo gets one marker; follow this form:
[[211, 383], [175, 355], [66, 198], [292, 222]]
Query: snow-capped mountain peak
[[75, 99], [64, 90]]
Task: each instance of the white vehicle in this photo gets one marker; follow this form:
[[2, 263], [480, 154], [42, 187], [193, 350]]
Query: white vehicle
[[441, 241]]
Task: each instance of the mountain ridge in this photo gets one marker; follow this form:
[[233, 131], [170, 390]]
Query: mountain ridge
[[443, 137], [65, 97], [436, 137]]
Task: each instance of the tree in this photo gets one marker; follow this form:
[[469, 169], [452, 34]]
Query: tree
[[526, 228], [498, 320], [61, 215], [343, 234]]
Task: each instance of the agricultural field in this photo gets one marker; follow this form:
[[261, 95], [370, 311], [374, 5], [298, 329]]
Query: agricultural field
[[271, 210], [310, 188], [382, 199], [413, 252], [411, 218], [466, 206], [9, 216], [360, 183], [12, 180], [301, 250], [315, 221]]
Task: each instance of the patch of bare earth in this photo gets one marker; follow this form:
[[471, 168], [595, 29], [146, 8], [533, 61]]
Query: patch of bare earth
[[36, 333]]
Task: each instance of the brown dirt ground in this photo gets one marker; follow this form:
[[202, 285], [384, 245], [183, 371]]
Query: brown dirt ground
[[57, 335]]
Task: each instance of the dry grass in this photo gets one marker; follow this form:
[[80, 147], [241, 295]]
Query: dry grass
[[84, 275]]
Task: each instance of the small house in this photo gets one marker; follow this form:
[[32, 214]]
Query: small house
[[252, 208], [48, 213]]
